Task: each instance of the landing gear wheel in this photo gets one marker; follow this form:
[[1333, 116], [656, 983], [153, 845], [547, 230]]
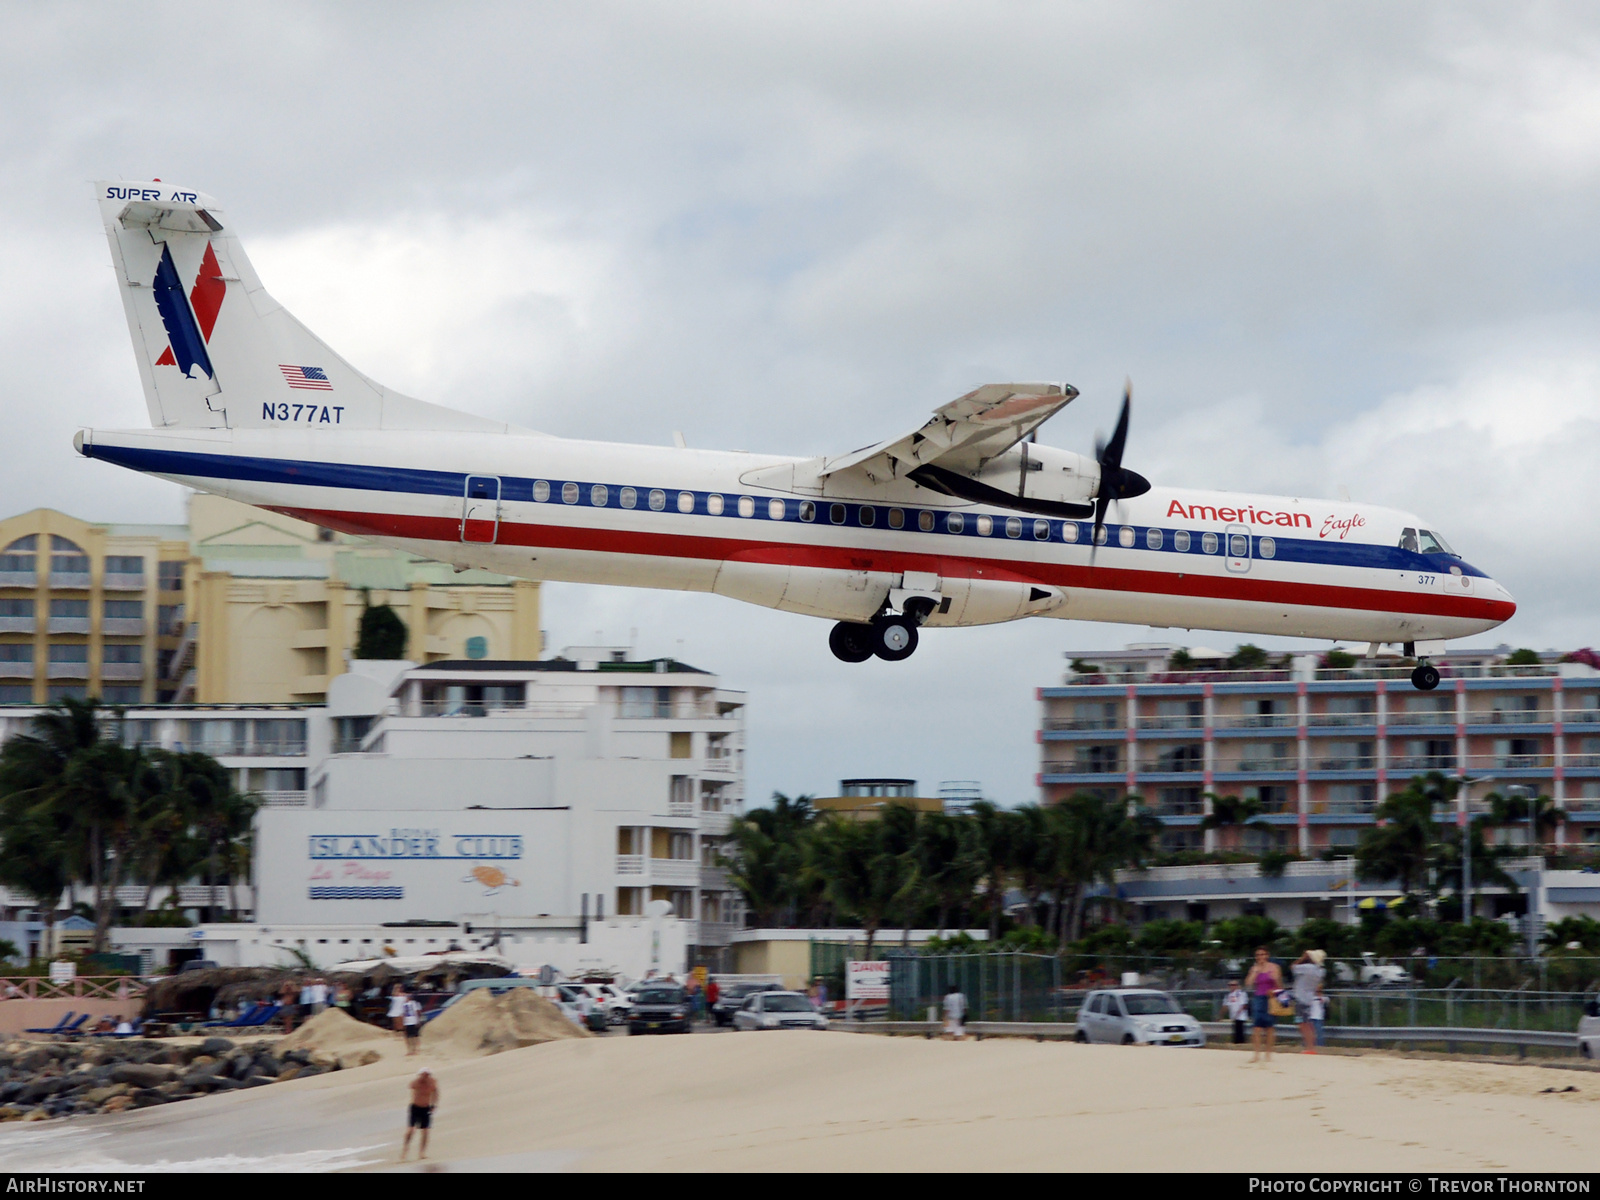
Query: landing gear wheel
[[1425, 678], [852, 643], [895, 638]]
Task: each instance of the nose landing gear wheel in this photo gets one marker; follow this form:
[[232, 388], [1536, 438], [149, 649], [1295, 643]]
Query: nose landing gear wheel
[[895, 638], [1425, 678], [852, 643]]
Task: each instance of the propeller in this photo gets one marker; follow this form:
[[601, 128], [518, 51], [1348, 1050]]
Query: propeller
[[1116, 481]]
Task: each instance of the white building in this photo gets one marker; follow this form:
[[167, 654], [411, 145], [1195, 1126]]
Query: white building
[[535, 806]]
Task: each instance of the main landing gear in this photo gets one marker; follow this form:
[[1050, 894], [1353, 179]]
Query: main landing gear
[[890, 636], [1425, 678]]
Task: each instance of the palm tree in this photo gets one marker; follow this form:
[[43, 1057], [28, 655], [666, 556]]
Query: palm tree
[[1401, 845], [1231, 811], [992, 850], [947, 862], [220, 814], [1095, 836], [1511, 812], [863, 881]]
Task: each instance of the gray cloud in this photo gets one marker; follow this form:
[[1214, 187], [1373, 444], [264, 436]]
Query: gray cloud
[[1332, 244]]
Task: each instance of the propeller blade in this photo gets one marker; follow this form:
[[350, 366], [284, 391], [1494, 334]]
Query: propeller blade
[[1115, 483]]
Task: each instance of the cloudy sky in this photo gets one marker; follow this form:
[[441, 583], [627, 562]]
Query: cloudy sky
[[1334, 245]]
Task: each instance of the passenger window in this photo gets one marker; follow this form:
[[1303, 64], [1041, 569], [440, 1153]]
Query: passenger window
[[1268, 548], [867, 515], [955, 522], [775, 510], [1125, 536], [747, 506], [541, 490], [569, 493], [1238, 545], [1154, 539], [1102, 535], [1069, 531], [1013, 527], [598, 495], [1041, 531], [1208, 543], [925, 522], [1180, 541], [658, 499], [836, 513], [1408, 540], [714, 505], [686, 502], [808, 511], [628, 497], [897, 518], [985, 526]]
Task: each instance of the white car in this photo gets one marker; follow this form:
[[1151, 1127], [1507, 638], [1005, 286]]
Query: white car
[[1589, 1030], [608, 998], [1136, 1017], [1373, 973], [778, 1010]]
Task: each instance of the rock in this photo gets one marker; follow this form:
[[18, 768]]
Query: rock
[[216, 1047], [142, 1075], [253, 1081], [37, 1114], [35, 1059], [37, 1090], [358, 1058], [10, 1112], [222, 1083], [145, 1097], [100, 1095], [117, 1104], [202, 1060], [266, 1065], [241, 1066], [297, 1055], [290, 1072]]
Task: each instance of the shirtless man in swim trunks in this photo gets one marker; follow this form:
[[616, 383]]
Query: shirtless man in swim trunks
[[424, 1099]]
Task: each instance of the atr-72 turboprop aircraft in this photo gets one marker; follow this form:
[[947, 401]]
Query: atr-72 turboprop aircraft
[[964, 521]]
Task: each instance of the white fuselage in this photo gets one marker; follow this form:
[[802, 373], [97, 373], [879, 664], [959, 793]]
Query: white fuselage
[[769, 531]]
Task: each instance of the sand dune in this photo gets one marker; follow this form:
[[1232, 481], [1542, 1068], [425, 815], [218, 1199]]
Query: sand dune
[[837, 1101]]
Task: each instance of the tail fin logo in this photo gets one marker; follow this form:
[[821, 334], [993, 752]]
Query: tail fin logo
[[188, 320]]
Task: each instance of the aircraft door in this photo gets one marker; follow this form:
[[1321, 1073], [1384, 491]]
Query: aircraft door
[[1237, 548], [480, 509]]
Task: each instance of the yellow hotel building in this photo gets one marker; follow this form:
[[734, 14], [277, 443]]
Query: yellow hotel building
[[240, 606]]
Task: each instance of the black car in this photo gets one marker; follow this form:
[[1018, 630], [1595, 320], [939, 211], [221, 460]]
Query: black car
[[659, 1008], [730, 999]]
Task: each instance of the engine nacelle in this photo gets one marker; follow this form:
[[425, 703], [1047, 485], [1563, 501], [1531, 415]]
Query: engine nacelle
[[1027, 477]]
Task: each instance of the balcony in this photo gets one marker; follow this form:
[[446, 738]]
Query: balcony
[[1258, 721], [117, 581], [70, 579], [716, 824], [1072, 724], [680, 808], [283, 798], [1422, 762], [10, 669], [720, 765], [17, 624], [1171, 766], [1194, 809], [713, 933], [1082, 767], [1343, 808], [67, 670], [196, 895], [674, 870], [19, 579], [1439, 719], [630, 864], [1342, 720], [464, 708], [713, 878], [67, 625], [1511, 716], [1362, 762], [118, 670], [1510, 762], [121, 626], [1582, 760], [1262, 765]]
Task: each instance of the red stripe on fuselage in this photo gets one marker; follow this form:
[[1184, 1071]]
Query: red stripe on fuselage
[[846, 558]]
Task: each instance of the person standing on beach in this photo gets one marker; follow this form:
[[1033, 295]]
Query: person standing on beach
[[286, 998], [424, 1099], [397, 1007], [411, 1018], [955, 1013], [1237, 1005], [1264, 978], [1308, 974]]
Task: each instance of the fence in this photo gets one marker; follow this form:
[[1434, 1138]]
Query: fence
[[84, 987]]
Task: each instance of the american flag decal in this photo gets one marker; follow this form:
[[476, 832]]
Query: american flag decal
[[313, 379]]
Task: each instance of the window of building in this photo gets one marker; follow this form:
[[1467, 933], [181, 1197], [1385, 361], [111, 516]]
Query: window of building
[[121, 694], [1180, 714], [1179, 802], [16, 606], [284, 737], [1343, 837], [878, 787], [122, 653], [1273, 797], [72, 652], [170, 575], [1098, 760], [169, 619], [1351, 797], [1177, 841], [645, 703], [628, 902], [16, 652], [21, 556], [124, 564], [16, 693], [68, 691], [275, 779], [123, 610], [1351, 706], [67, 557], [1181, 758], [955, 523], [70, 608]]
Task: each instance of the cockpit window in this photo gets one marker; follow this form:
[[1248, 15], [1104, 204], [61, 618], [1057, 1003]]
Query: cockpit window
[[1408, 540], [1432, 543]]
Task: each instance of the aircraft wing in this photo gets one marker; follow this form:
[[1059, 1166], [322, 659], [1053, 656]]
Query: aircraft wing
[[964, 434]]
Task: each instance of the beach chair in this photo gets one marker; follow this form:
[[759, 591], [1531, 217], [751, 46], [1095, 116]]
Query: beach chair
[[244, 1020], [72, 1030], [59, 1027]]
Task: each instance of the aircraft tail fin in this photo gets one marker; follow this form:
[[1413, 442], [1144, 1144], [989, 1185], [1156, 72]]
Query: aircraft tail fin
[[215, 350]]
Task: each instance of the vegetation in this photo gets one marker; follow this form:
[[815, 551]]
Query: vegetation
[[78, 807], [381, 634], [1524, 658], [1338, 660]]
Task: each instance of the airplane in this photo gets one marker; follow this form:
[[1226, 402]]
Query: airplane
[[966, 520]]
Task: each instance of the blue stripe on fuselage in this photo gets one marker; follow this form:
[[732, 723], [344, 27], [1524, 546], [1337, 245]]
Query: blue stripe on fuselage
[[411, 480]]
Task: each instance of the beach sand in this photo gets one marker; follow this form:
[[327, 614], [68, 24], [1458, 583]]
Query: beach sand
[[838, 1101]]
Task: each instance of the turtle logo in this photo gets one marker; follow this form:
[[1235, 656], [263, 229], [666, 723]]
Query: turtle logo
[[492, 878]]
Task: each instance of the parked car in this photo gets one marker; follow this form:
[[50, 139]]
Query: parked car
[[778, 1010], [1589, 1030], [731, 998], [607, 1001], [1136, 1016], [659, 1008], [1372, 973]]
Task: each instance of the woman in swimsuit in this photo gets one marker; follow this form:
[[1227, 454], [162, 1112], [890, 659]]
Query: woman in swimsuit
[[1265, 978]]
